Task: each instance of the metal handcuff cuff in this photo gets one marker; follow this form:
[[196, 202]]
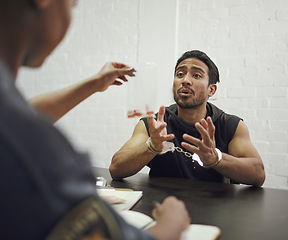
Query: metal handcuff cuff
[[170, 147]]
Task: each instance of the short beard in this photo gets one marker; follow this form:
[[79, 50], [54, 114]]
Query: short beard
[[193, 104]]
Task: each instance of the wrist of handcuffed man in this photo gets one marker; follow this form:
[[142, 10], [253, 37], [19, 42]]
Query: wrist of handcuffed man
[[156, 152], [218, 161], [151, 148]]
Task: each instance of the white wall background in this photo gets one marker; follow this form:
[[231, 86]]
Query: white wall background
[[247, 39]]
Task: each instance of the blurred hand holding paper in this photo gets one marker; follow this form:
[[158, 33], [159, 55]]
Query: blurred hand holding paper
[[194, 231]]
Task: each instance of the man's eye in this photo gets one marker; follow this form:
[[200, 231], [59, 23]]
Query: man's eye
[[180, 74], [197, 75]]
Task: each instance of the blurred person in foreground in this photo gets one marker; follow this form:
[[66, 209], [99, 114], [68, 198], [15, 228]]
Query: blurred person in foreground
[[48, 188]]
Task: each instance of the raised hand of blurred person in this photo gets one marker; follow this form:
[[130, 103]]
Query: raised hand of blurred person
[[111, 74], [57, 103]]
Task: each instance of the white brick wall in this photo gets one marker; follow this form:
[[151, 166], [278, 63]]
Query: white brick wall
[[247, 39]]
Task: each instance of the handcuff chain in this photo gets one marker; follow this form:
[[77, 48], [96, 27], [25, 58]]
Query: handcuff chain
[[187, 154]]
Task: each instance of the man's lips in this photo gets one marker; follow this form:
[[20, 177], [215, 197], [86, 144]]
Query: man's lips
[[185, 91]]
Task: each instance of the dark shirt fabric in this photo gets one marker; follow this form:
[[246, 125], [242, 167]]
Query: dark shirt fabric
[[42, 177], [178, 165]]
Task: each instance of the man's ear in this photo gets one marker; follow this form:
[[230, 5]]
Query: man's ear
[[212, 89], [41, 4]]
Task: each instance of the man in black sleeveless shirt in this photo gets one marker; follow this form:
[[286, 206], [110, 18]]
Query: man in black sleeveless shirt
[[192, 138]]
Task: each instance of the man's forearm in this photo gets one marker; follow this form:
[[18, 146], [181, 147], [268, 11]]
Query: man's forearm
[[127, 162], [242, 170], [56, 104]]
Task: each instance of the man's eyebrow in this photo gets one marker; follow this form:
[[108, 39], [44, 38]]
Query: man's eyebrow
[[195, 68], [198, 69], [181, 67]]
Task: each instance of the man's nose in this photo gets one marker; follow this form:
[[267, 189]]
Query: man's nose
[[188, 80]]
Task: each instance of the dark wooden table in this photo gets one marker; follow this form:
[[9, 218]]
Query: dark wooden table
[[242, 212]]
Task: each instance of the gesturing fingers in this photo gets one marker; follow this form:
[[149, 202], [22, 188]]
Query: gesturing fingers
[[211, 128], [156, 127], [207, 131], [158, 133], [205, 147], [151, 122], [196, 143], [161, 113], [204, 133], [123, 78], [204, 124]]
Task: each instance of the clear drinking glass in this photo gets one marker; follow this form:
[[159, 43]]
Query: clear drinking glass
[[142, 91]]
